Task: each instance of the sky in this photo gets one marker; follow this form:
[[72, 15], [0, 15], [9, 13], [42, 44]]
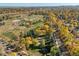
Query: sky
[[37, 4]]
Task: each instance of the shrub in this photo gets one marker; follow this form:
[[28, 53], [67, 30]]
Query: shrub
[[10, 35]]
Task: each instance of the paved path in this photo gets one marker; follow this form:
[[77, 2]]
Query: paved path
[[59, 44]]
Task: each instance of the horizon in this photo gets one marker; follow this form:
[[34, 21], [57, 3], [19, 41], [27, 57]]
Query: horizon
[[36, 4]]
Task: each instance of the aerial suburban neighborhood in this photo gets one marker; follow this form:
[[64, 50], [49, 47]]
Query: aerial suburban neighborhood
[[39, 31]]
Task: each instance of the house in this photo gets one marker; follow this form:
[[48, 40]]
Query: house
[[2, 23], [15, 22], [76, 32]]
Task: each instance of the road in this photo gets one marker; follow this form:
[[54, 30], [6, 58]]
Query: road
[[59, 44]]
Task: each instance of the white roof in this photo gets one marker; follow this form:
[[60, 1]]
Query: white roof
[[16, 20]]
